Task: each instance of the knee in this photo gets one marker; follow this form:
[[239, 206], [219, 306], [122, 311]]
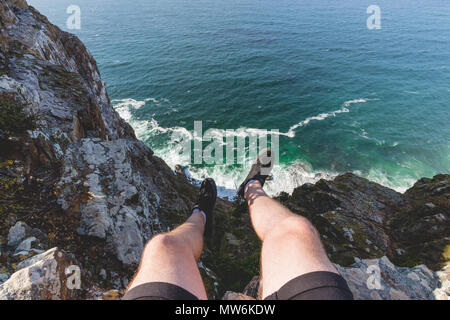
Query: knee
[[164, 242], [294, 227]]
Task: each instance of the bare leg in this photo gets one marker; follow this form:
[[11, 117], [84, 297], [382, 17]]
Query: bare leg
[[291, 245], [172, 258]]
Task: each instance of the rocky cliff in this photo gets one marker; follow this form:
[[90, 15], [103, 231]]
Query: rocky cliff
[[386, 245], [73, 174], [78, 191]]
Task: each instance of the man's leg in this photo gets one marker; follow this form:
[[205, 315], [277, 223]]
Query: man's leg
[[172, 258], [291, 245]]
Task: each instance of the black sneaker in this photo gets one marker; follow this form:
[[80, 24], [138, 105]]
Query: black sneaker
[[206, 202], [260, 170]]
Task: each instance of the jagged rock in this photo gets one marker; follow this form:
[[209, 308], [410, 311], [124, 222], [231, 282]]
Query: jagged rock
[[51, 74], [40, 277], [103, 274], [380, 279], [116, 199], [17, 233], [377, 279], [94, 293], [359, 218], [422, 230], [350, 213], [253, 288], [7, 16], [181, 171], [117, 187], [25, 245], [21, 238], [443, 292]]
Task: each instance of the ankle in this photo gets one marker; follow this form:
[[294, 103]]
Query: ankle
[[197, 210], [251, 186]]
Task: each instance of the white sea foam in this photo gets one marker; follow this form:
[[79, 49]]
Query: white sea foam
[[143, 128], [398, 183], [323, 116], [228, 178], [125, 106]]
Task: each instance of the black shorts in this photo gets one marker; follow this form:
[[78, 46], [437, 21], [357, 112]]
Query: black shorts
[[311, 286]]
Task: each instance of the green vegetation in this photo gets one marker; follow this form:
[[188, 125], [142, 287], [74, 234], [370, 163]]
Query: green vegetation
[[14, 121], [61, 78], [233, 270], [9, 187], [66, 83], [234, 256]]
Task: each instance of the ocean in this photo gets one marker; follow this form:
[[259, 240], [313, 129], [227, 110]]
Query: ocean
[[345, 98]]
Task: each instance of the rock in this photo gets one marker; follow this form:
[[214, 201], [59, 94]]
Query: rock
[[94, 293], [3, 278], [21, 236], [25, 245], [112, 185], [20, 4], [422, 229], [40, 277], [17, 233], [229, 295], [7, 16], [430, 205], [111, 295], [380, 279], [232, 240], [58, 77], [181, 171], [253, 288], [72, 157], [350, 214], [358, 218], [377, 279], [443, 291]]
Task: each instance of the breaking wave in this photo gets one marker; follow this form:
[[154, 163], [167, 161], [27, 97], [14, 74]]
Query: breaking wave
[[323, 116], [125, 106], [228, 177]]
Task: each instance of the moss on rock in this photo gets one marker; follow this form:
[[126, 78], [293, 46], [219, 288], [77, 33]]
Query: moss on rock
[[14, 121]]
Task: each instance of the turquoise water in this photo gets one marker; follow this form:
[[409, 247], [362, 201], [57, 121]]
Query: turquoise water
[[287, 65]]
